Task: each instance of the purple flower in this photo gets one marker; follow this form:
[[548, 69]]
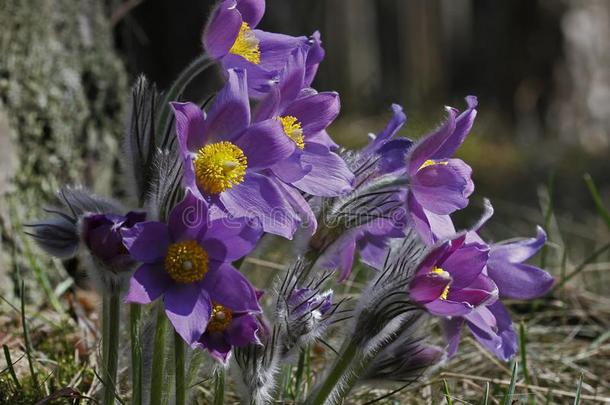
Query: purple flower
[[305, 300], [305, 114], [440, 184], [230, 37], [187, 261], [227, 329], [226, 157], [451, 281], [103, 235]]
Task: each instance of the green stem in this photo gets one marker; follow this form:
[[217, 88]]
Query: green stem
[[186, 76], [158, 363], [135, 315], [338, 371], [179, 365], [219, 387], [299, 374], [112, 313]]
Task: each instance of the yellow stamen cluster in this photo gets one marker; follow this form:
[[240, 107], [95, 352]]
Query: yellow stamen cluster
[[431, 162], [293, 130], [186, 262], [220, 319], [246, 45], [444, 274], [219, 166]]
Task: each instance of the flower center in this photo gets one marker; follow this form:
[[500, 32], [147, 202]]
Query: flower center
[[186, 262], [246, 45], [431, 162], [444, 274], [219, 166], [293, 130], [220, 319]]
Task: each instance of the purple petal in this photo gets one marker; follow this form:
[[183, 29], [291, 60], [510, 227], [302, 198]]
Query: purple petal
[[190, 126], [251, 11], [242, 330], [329, 175], [420, 221], [441, 225], [448, 308], [276, 48], [230, 112], [393, 126], [188, 308], [147, 242], [222, 29], [451, 329], [465, 264], [188, 218], [216, 344], [520, 251], [520, 281], [258, 197], [481, 291], [346, 258], [393, 154], [322, 138], [315, 55], [300, 205], [228, 239], [265, 144], [230, 288], [492, 327], [291, 169], [292, 76], [260, 80], [315, 112], [148, 283], [428, 287], [463, 125], [427, 147], [443, 187]]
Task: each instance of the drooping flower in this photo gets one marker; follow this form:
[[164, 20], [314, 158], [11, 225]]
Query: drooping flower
[[227, 329], [187, 262], [103, 236], [451, 281], [231, 37], [225, 157], [305, 114], [440, 184]]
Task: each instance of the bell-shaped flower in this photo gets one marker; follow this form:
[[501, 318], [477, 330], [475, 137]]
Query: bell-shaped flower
[[187, 263], [226, 329], [451, 280], [438, 183], [230, 36], [226, 157]]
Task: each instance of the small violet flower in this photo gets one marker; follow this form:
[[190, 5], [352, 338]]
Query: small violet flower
[[230, 36], [187, 262], [225, 157], [227, 329], [440, 184], [103, 236], [451, 281]]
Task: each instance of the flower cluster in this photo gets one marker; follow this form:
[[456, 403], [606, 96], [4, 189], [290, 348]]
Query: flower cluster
[[258, 160]]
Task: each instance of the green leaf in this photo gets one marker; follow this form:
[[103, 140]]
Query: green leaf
[[508, 397], [447, 393], [597, 199], [577, 398]]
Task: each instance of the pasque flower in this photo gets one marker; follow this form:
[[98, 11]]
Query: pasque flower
[[451, 281], [103, 236], [305, 114], [226, 329], [226, 157], [187, 262], [440, 184], [231, 37]]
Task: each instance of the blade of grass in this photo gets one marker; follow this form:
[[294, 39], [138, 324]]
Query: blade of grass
[[486, 394], [219, 387], [508, 397], [135, 315], [26, 338], [158, 363], [597, 200], [548, 216], [11, 369], [578, 389], [581, 266], [179, 362], [523, 349], [447, 393]]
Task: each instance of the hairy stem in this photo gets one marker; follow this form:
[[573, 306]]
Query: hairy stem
[[158, 363], [111, 320], [219, 387], [179, 365], [135, 315]]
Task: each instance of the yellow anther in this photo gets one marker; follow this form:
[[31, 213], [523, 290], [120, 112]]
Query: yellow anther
[[220, 319], [431, 162], [246, 45], [186, 262], [444, 274], [293, 130], [219, 166]]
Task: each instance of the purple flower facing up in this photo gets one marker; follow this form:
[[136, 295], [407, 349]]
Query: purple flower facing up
[[440, 184], [451, 279], [103, 235], [230, 37], [305, 114], [227, 329], [226, 157], [187, 262]]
